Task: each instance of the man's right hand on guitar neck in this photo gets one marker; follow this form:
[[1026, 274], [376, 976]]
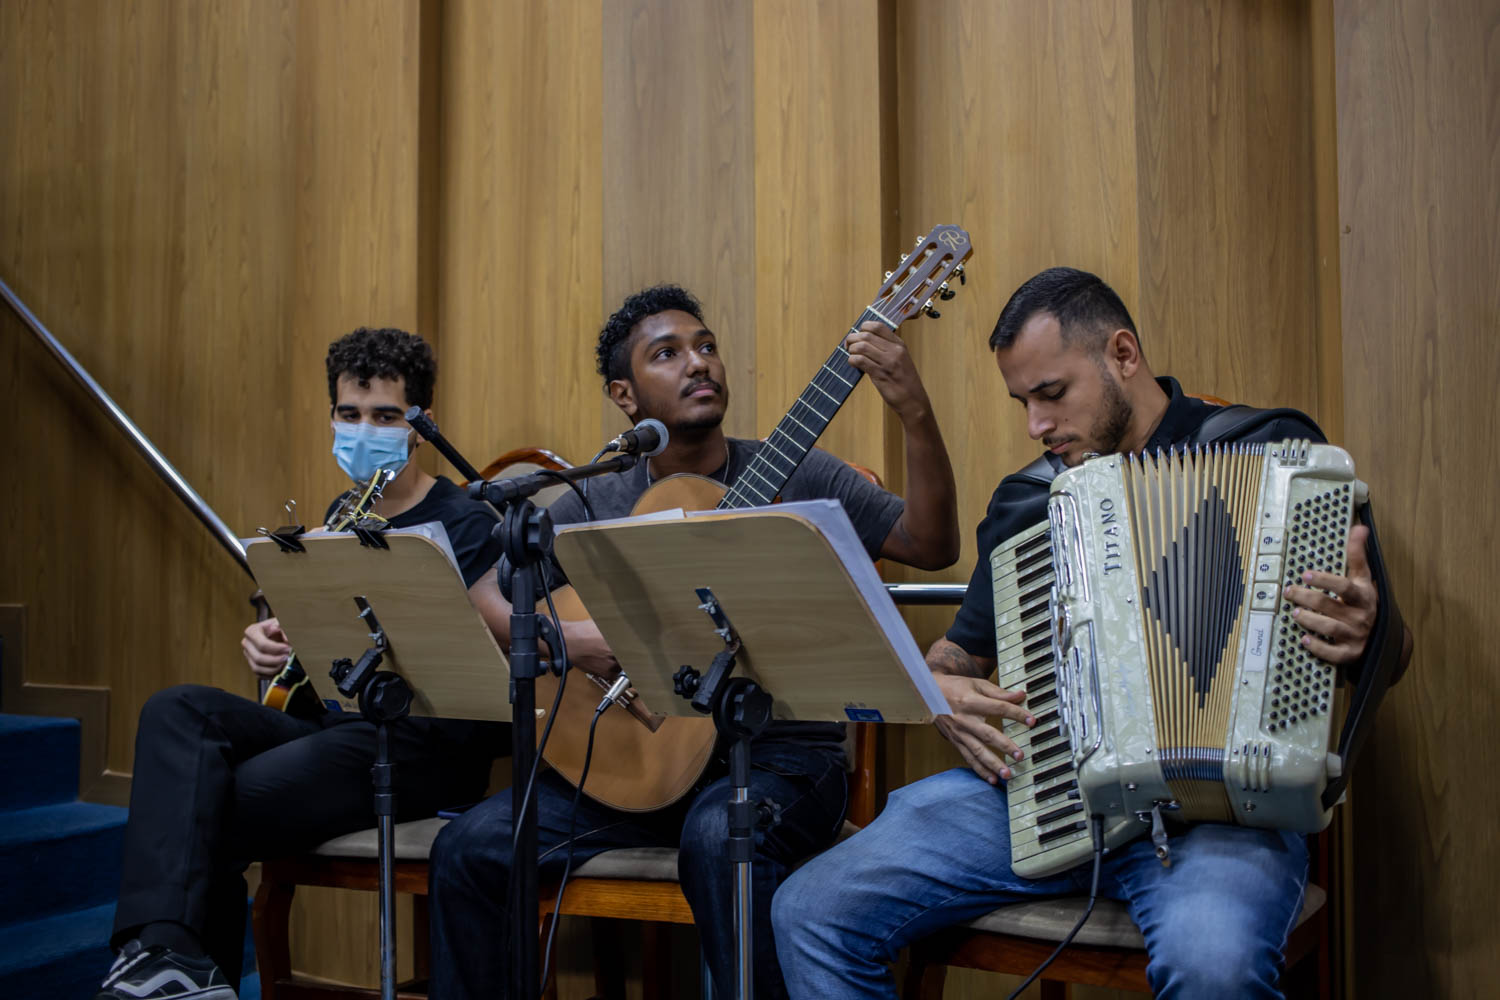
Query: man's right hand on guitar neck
[[265, 648]]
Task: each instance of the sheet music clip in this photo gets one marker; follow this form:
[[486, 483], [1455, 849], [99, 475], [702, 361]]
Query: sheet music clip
[[286, 537], [371, 538], [688, 682]]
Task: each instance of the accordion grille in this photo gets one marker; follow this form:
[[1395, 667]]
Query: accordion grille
[[1194, 515]]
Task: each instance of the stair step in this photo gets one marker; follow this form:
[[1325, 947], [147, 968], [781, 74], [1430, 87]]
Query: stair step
[[38, 761], [61, 956], [58, 858]]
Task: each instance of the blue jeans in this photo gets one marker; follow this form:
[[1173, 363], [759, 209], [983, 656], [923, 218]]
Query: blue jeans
[[1215, 923], [470, 863]]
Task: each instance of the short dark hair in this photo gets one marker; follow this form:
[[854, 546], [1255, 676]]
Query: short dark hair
[[384, 353], [1082, 303], [613, 353]]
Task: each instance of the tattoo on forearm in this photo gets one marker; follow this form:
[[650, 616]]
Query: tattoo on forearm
[[949, 658]]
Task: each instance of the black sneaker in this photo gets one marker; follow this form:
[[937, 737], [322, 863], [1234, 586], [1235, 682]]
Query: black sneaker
[[159, 973]]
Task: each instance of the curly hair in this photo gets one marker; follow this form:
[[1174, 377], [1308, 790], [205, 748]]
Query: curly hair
[[384, 353], [1085, 307], [613, 352]]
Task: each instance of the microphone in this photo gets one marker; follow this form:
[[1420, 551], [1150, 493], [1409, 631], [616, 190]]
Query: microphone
[[647, 438]]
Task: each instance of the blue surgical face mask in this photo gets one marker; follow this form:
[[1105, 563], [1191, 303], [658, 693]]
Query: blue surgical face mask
[[362, 448]]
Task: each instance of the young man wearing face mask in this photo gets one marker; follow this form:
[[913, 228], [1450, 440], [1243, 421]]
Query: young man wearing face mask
[[221, 780]]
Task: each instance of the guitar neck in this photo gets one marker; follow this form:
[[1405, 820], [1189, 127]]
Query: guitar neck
[[787, 445]]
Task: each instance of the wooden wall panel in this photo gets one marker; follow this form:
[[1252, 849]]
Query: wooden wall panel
[[818, 207], [519, 282], [197, 199], [1016, 121], [1419, 207], [1228, 274], [146, 202], [357, 161], [679, 173]]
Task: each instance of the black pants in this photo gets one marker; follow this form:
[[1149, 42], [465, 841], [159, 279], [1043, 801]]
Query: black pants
[[221, 781], [470, 864]]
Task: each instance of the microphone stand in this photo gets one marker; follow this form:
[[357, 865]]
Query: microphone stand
[[525, 532]]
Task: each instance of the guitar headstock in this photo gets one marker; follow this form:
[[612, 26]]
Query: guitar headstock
[[923, 276]]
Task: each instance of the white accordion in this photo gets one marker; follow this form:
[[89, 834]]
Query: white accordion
[[1145, 621]]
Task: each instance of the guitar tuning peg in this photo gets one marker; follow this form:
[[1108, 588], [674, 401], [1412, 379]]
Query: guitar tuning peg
[[919, 240], [931, 311], [963, 279], [903, 256], [946, 294], [888, 275]]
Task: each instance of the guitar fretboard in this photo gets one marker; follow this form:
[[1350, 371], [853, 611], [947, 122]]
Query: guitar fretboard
[[787, 445]]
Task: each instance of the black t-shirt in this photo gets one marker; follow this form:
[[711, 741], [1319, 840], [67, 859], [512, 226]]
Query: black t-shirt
[[468, 522], [1018, 503], [821, 476]]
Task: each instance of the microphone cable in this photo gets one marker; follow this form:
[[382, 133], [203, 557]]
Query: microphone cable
[[1096, 831], [588, 510], [562, 887], [584, 493]]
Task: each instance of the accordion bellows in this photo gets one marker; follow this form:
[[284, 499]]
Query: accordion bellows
[[1146, 623]]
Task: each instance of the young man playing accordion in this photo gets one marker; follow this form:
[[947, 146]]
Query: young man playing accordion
[[1216, 921]]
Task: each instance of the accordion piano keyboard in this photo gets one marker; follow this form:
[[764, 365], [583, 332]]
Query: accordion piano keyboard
[[1047, 823]]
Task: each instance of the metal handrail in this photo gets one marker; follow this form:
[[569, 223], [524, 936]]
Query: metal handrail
[[164, 468]]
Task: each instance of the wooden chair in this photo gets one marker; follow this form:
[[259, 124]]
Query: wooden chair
[[641, 884], [630, 884]]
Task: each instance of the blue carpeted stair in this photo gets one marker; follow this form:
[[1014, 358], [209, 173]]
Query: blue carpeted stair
[[59, 865], [59, 868]]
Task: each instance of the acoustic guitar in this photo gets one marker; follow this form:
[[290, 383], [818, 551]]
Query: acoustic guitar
[[642, 760]]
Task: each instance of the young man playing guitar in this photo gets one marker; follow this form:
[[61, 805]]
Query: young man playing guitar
[[658, 360], [221, 780]]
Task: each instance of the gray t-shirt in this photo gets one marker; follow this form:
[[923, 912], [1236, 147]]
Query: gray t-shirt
[[821, 476]]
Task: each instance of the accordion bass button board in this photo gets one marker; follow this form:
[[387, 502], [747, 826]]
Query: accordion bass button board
[[1146, 621]]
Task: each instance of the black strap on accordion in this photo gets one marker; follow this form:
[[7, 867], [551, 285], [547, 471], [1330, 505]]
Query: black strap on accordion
[[1381, 666]]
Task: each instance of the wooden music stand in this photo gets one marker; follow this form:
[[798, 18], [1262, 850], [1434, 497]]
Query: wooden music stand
[[820, 632], [754, 614], [438, 641], [396, 601]]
